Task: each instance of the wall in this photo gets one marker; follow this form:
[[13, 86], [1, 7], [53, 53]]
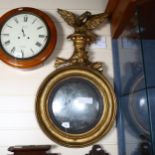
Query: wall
[[18, 87]]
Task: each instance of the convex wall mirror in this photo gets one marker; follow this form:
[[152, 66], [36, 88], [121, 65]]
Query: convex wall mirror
[[27, 37], [76, 105]]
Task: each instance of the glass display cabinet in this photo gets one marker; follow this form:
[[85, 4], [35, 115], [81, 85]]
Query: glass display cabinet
[[133, 31]]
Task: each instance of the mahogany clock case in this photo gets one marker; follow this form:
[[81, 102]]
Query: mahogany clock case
[[44, 53]]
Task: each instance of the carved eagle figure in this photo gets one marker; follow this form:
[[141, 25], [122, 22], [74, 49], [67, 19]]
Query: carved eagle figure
[[83, 24]]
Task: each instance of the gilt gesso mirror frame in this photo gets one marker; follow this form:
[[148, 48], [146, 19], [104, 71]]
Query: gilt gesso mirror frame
[[76, 105], [105, 119]]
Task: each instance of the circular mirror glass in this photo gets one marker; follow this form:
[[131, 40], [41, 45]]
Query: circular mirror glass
[[75, 105]]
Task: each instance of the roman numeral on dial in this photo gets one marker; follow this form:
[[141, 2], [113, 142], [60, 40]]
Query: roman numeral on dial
[[22, 53], [25, 18], [40, 27], [38, 44], [5, 34], [9, 26], [16, 20], [42, 36], [13, 49], [34, 21], [32, 51], [7, 42]]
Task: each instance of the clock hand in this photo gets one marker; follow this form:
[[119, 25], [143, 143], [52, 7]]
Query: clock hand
[[23, 32]]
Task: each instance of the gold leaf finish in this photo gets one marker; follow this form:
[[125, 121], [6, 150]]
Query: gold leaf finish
[[77, 66], [82, 36], [108, 114]]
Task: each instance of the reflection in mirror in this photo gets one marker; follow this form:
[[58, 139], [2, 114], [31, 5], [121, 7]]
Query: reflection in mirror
[[75, 105], [138, 106]]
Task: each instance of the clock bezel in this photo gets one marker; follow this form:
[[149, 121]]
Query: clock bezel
[[44, 53]]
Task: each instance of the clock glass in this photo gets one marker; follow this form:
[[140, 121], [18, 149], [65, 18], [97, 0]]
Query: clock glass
[[17, 39]]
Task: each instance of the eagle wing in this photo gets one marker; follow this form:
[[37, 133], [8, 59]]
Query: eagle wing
[[95, 20], [68, 16]]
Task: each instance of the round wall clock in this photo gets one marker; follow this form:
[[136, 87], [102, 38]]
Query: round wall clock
[[27, 37]]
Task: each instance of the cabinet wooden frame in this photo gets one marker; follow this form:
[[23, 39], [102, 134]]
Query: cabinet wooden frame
[[120, 12]]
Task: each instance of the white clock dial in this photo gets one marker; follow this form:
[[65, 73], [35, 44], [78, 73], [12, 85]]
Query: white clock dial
[[24, 36]]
